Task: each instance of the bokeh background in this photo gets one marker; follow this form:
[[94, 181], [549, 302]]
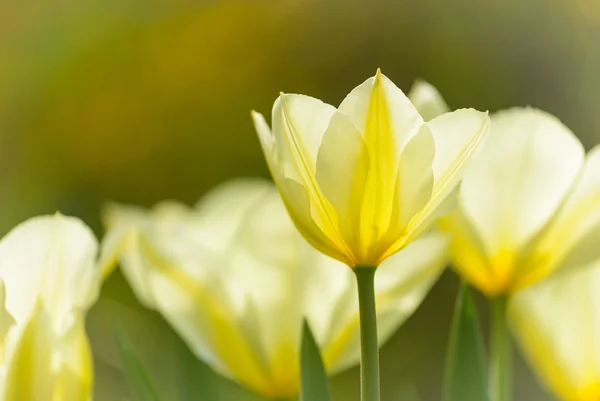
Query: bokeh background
[[139, 101]]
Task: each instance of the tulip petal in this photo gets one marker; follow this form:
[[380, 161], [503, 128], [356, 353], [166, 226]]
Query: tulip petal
[[415, 176], [53, 257], [342, 166], [428, 101], [404, 119], [557, 323], [42, 364], [29, 374], [299, 123], [74, 379], [520, 178], [6, 320], [311, 212], [573, 238], [469, 257], [457, 136], [223, 207], [339, 162], [199, 312]]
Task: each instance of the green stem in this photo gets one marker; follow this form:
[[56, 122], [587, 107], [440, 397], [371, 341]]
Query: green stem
[[500, 353], [369, 350]]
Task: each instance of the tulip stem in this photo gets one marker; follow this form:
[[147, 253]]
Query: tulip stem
[[500, 353], [369, 350]]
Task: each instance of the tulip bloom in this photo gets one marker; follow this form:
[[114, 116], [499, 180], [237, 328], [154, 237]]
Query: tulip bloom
[[364, 180], [529, 204], [557, 323], [235, 280], [49, 279]]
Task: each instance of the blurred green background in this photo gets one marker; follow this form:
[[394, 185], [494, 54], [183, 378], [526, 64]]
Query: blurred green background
[[139, 101]]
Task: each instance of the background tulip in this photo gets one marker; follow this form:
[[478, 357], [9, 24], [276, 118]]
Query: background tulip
[[49, 279], [235, 279], [529, 204]]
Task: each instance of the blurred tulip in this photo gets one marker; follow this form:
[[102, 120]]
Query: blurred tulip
[[557, 323], [235, 280], [49, 279], [427, 100], [363, 181], [529, 203]]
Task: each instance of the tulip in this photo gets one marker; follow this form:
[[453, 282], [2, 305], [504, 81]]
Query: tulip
[[557, 324], [235, 280], [48, 280], [364, 180], [529, 205]]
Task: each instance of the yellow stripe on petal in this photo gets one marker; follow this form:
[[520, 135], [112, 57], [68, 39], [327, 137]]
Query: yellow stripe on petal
[[221, 332], [380, 186], [29, 369]]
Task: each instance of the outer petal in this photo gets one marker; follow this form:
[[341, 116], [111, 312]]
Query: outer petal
[[401, 283], [557, 323], [311, 212], [299, 123], [572, 240], [458, 135], [520, 178], [428, 101], [52, 257], [42, 364]]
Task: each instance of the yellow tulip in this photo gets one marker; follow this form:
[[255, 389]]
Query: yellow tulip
[[364, 180], [235, 280], [529, 203], [49, 279], [557, 323]]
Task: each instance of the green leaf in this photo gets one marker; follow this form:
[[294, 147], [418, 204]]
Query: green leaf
[[314, 384], [138, 378], [466, 374]]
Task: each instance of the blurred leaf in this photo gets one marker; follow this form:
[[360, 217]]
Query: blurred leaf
[[465, 377], [314, 384], [197, 380], [138, 379]]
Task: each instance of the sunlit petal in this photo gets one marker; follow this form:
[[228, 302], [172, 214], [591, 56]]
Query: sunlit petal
[[457, 136], [520, 178], [53, 257], [557, 323], [573, 239]]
